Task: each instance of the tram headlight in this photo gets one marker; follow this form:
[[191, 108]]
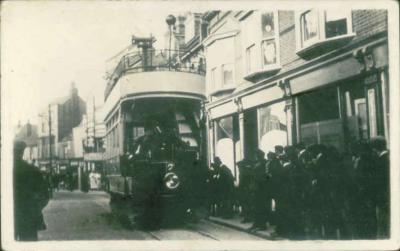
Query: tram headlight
[[171, 180]]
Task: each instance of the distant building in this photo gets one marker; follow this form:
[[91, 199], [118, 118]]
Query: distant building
[[62, 115], [94, 137], [28, 134]]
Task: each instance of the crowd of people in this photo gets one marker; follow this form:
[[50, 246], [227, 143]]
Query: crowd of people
[[311, 192]]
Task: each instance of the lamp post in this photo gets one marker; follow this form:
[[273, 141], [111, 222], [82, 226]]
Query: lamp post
[[171, 22]]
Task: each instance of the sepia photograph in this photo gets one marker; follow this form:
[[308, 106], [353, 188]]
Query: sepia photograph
[[188, 125]]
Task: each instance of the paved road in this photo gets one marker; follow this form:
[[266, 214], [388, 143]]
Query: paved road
[[87, 216]]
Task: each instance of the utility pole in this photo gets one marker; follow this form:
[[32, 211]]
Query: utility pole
[[94, 125], [50, 154]]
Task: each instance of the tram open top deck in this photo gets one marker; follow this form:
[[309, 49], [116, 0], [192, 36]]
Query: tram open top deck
[[153, 74]]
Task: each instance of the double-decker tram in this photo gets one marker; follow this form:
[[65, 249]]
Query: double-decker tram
[[154, 154]]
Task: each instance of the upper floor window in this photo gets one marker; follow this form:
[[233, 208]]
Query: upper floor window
[[220, 54], [250, 59], [227, 73], [318, 27], [261, 43], [213, 79]]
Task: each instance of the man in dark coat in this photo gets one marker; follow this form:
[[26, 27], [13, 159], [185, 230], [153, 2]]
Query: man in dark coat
[[363, 205], [212, 188], [245, 178], [273, 170], [260, 198], [382, 186], [30, 197], [226, 187]]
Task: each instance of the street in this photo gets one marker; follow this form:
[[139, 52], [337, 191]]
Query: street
[[87, 216]]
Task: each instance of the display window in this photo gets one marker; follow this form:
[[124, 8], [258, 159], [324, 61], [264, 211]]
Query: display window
[[227, 141], [272, 126]]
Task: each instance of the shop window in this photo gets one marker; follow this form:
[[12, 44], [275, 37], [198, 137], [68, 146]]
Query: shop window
[[319, 118], [227, 73], [355, 110], [272, 127], [227, 136], [322, 28], [373, 127], [319, 106]]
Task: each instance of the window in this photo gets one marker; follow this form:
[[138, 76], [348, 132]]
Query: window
[[335, 23], [261, 43], [227, 141], [309, 26], [227, 73], [267, 24], [319, 105], [268, 48], [220, 67], [213, 80], [316, 27], [272, 126], [250, 59], [138, 131]]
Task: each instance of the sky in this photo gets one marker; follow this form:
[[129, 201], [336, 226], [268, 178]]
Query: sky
[[47, 45]]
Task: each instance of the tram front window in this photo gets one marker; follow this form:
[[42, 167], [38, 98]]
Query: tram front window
[[160, 128]]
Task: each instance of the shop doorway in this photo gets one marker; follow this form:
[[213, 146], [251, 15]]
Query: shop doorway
[[250, 133]]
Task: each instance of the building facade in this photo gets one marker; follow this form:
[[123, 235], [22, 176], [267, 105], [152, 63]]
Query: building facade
[[277, 77], [28, 133], [55, 129]]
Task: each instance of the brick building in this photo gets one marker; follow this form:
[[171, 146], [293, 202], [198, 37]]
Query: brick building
[[283, 77]]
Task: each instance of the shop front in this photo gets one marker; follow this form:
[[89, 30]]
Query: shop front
[[337, 106], [245, 123]]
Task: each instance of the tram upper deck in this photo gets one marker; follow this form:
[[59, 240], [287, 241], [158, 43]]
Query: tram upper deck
[[154, 73]]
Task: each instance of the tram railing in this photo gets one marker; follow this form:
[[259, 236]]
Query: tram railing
[[153, 60]]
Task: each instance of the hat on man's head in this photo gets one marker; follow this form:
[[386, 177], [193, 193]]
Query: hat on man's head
[[19, 147], [378, 143], [278, 149], [217, 160]]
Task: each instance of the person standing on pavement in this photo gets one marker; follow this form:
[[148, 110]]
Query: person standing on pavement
[[314, 196], [365, 215], [382, 186], [212, 190], [245, 177], [226, 188], [30, 197], [273, 170], [260, 200]]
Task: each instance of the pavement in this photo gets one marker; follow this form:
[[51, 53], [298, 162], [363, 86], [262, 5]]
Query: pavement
[[235, 223], [87, 216]]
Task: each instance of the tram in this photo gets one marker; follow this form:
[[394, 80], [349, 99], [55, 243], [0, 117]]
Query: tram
[[155, 138]]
